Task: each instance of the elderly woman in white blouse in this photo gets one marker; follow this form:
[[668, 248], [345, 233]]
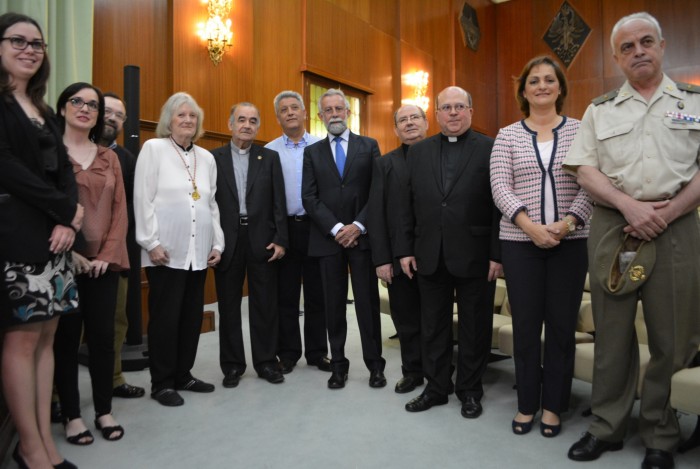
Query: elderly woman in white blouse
[[177, 225]]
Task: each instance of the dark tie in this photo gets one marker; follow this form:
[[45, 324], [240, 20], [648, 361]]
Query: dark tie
[[339, 156]]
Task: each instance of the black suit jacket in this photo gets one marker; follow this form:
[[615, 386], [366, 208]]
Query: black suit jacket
[[31, 203], [265, 202], [389, 184], [462, 221], [330, 199]]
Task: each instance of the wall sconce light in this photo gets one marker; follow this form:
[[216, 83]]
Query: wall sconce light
[[419, 82], [216, 31]]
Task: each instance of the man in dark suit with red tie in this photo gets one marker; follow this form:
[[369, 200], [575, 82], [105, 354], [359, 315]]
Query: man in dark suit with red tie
[[335, 188], [450, 239], [253, 208]]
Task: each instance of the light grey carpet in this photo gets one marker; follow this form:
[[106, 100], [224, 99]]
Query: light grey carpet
[[303, 424]]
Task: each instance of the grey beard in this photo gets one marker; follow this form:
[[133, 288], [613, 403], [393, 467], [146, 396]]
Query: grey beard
[[337, 128]]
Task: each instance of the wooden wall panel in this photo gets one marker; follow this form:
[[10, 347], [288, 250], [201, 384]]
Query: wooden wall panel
[[134, 32], [381, 104], [278, 55], [338, 44], [414, 59], [384, 15], [425, 25], [514, 49], [475, 71], [215, 88]]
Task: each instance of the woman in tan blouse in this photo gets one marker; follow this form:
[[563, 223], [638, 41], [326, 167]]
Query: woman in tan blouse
[[97, 172]]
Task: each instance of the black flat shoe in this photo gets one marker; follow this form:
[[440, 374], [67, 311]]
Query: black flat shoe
[[471, 408], [232, 378], [377, 379], [196, 385], [424, 402], [323, 364], [589, 448], [271, 375], [407, 384], [337, 380], [285, 366], [77, 439], [128, 391], [168, 397], [108, 431], [658, 459]]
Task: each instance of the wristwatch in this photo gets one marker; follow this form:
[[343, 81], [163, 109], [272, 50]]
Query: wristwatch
[[570, 224]]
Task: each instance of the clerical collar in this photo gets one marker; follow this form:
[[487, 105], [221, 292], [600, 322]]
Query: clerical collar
[[183, 148], [239, 150], [459, 138]]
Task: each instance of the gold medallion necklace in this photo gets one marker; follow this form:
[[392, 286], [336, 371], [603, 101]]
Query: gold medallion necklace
[[195, 193]]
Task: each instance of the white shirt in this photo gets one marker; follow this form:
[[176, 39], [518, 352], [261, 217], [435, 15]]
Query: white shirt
[[545, 151], [166, 214]]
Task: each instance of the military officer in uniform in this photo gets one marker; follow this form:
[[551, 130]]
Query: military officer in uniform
[[637, 154]]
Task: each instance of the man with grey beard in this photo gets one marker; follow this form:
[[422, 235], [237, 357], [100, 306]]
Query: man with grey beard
[[335, 186]]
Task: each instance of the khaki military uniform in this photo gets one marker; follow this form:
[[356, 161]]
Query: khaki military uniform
[[650, 151]]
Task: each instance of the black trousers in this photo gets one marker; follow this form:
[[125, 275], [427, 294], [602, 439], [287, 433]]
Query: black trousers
[[98, 298], [262, 308], [474, 297], [404, 301], [293, 267], [544, 287], [334, 275], [175, 310]]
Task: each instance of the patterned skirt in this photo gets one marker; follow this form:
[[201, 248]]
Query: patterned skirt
[[37, 292]]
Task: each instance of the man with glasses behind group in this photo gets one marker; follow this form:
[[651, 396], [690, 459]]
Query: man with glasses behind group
[[389, 181], [129, 293], [449, 238]]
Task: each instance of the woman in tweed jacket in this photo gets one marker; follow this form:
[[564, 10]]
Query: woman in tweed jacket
[[543, 238]]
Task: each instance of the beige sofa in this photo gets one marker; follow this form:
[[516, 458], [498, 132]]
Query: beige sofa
[[499, 320]]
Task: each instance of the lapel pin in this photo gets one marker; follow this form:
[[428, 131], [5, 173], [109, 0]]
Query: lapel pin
[[259, 157]]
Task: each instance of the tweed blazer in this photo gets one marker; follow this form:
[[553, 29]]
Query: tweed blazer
[[518, 178]]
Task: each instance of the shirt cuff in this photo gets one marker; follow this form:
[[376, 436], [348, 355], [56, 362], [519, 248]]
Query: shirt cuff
[[360, 226], [336, 228]]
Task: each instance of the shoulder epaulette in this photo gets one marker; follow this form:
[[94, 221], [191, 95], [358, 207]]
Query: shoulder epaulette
[[689, 87], [605, 97]]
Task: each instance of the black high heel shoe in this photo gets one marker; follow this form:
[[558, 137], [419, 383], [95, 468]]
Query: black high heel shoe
[[521, 428], [549, 431], [18, 458]]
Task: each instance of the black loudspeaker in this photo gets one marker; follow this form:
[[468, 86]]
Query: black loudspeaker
[[132, 79]]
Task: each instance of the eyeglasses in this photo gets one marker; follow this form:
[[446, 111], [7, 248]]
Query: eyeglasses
[[20, 43], [78, 103], [118, 115], [447, 108], [405, 120], [329, 110]]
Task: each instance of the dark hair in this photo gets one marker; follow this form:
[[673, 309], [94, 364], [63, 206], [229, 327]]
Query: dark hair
[[36, 87], [522, 80], [110, 94], [96, 131]]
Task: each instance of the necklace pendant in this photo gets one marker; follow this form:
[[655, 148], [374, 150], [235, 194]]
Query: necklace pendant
[[195, 195]]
